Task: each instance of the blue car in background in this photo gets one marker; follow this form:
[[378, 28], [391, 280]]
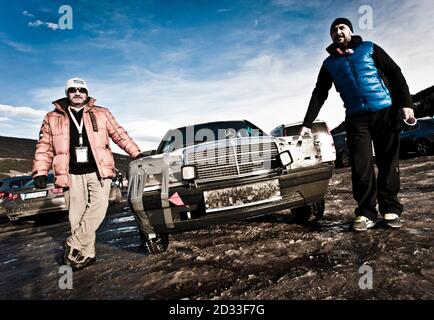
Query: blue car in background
[[418, 138]]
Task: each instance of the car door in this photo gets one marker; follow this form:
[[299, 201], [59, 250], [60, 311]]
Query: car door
[[407, 137]]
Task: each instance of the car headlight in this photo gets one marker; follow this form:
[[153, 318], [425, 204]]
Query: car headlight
[[285, 158], [188, 172]]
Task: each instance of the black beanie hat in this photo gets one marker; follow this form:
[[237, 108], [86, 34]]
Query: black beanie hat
[[341, 21]]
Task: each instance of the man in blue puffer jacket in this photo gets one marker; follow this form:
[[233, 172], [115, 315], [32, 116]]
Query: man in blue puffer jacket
[[375, 96]]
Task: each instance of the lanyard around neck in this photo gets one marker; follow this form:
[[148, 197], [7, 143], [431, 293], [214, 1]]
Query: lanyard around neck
[[78, 126]]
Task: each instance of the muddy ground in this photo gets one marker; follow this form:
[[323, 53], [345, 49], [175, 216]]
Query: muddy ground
[[266, 258]]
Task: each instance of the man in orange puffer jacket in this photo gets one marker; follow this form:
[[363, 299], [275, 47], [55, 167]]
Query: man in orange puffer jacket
[[74, 141]]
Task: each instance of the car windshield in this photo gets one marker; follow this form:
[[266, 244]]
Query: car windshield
[[50, 180], [207, 132]]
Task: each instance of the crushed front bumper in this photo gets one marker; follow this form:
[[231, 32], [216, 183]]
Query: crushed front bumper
[[297, 188]]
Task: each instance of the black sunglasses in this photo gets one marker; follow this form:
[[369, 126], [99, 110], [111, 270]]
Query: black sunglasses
[[74, 90]]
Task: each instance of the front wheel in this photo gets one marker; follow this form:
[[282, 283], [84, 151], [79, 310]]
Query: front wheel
[[310, 213], [155, 245]]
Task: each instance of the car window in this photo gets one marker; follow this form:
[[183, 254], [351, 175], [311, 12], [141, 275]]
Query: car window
[[207, 132], [292, 130], [277, 132], [15, 184], [50, 180]]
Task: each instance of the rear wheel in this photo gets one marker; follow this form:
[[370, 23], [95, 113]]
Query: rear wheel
[[155, 245], [423, 147], [310, 213]]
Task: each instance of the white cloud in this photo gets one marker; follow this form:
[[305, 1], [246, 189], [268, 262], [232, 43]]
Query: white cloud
[[52, 26], [23, 122], [28, 14], [146, 133], [18, 46], [21, 113], [21, 47], [36, 23], [223, 10], [49, 25]]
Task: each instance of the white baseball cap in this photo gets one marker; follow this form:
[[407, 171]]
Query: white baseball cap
[[75, 83]]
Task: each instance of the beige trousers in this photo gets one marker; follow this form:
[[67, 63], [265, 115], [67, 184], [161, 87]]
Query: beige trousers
[[87, 201]]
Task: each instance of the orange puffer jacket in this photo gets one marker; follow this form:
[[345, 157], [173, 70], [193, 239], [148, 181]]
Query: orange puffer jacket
[[52, 149]]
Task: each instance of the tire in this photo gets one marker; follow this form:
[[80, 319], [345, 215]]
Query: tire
[[423, 147], [115, 196], [310, 213], [345, 159], [155, 245], [118, 196]]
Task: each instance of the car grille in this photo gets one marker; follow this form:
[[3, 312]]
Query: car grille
[[234, 161]]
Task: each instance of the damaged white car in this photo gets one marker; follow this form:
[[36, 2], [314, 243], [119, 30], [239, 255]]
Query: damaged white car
[[219, 172]]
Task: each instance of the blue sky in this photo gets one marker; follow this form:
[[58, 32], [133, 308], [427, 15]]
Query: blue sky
[[162, 64]]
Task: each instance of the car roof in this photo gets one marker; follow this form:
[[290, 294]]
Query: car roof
[[426, 119], [212, 122], [299, 123]]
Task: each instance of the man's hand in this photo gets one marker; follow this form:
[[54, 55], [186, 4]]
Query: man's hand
[[408, 115], [305, 130], [40, 182]]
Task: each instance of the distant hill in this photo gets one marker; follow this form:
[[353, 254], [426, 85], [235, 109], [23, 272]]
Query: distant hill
[[16, 155]]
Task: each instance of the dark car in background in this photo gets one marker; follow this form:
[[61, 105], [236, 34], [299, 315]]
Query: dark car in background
[[29, 201], [8, 185], [342, 152], [418, 138]]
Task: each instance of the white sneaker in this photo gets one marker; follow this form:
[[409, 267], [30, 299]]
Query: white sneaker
[[361, 223], [392, 220]]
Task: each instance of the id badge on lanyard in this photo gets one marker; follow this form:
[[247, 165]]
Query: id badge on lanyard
[[81, 152]]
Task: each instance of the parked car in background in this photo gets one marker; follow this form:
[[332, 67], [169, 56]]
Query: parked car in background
[[220, 172], [29, 201], [342, 152], [320, 132], [418, 138], [7, 185]]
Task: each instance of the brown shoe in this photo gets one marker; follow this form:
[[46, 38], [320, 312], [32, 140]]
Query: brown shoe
[[82, 262], [70, 255]]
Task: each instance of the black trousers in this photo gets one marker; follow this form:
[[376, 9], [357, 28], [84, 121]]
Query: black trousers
[[382, 129]]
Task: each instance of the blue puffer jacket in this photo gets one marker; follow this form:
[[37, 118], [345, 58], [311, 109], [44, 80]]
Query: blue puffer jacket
[[357, 80]]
